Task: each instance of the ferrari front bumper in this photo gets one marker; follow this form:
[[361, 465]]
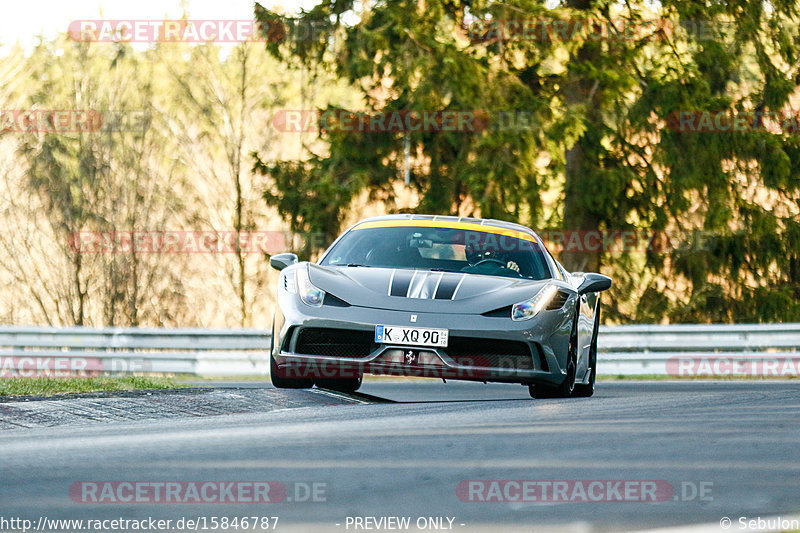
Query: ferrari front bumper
[[480, 348]]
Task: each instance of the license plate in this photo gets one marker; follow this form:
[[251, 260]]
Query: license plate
[[411, 336]]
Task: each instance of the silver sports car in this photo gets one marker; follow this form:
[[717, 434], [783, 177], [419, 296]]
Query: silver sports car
[[436, 296]]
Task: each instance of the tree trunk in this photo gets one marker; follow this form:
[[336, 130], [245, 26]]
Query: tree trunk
[[579, 165]]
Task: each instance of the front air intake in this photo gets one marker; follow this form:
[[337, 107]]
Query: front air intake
[[492, 353], [334, 342]]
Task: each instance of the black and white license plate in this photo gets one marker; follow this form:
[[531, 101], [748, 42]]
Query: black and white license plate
[[411, 336]]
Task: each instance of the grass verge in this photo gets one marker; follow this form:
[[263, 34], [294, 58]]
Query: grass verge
[[46, 386]]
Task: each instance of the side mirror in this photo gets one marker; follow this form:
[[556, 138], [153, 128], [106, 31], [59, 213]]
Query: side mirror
[[594, 283], [281, 261]]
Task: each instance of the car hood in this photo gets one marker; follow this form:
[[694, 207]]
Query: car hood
[[422, 290]]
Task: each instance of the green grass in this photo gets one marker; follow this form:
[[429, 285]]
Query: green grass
[[247, 377], [46, 386]]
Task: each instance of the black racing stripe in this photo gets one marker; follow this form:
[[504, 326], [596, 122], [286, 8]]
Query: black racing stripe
[[447, 287], [400, 282]]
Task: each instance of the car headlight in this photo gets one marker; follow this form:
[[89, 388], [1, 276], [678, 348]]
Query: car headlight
[[530, 308], [309, 294]]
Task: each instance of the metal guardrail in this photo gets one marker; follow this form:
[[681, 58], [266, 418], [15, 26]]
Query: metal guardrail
[[744, 349], [26, 351], [765, 350]]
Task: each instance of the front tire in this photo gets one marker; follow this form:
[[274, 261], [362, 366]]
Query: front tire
[[565, 390], [280, 381], [278, 375], [567, 387], [585, 391]]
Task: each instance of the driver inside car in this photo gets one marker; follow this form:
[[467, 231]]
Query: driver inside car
[[489, 261]]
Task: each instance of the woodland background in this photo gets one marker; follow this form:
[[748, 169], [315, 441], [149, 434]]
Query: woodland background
[[597, 153]]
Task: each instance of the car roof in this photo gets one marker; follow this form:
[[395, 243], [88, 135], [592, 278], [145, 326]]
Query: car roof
[[447, 218]]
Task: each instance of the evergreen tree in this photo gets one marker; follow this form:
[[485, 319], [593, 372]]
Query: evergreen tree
[[604, 82]]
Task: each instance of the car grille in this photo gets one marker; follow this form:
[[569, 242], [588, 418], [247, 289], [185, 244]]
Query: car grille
[[494, 353], [334, 342]]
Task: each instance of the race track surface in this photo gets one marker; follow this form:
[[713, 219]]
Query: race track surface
[[410, 449]]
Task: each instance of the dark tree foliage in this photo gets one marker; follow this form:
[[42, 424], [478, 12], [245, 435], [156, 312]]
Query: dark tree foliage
[[604, 93]]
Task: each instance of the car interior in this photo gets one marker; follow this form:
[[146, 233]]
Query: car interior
[[440, 249]]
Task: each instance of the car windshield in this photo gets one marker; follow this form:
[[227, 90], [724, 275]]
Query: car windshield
[[444, 249]]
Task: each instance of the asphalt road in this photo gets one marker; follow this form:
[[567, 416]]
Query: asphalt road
[[407, 449]]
